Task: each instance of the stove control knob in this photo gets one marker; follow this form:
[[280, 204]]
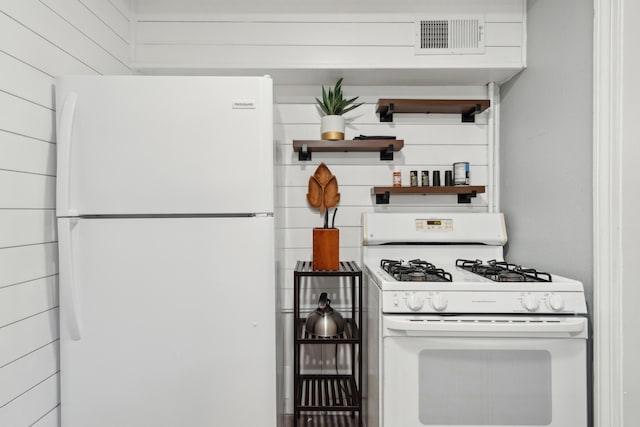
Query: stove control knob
[[531, 303], [439, 302], [555, 302], [415, 302]]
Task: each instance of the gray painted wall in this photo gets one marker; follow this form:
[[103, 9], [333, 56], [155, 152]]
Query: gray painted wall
[[546, 143], [629, 227]]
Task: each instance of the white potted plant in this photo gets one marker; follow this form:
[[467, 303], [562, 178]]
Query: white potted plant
[[334, 105]]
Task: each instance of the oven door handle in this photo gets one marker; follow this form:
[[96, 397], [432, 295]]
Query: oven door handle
[[426, 327]]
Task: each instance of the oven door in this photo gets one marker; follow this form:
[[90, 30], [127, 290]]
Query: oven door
[[484, 371]]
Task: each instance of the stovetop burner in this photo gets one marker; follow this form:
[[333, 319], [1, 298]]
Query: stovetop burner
[[415, 270], [501, 271]]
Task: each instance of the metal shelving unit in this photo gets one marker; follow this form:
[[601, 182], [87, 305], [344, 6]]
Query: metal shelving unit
[[331, 393]]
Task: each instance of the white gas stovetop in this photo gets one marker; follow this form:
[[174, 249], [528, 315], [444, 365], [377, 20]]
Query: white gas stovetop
[[442, 239]]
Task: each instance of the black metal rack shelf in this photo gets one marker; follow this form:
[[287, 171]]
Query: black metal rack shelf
[[328, 393], [346, 268], [350, 335], [337, 392]]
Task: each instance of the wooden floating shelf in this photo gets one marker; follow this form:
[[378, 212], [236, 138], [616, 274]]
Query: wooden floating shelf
[[386, 147], [464, 192], [467, 108]]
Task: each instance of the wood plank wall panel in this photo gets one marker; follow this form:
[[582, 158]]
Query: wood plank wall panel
[[113, 15], [25, 154], [313, 41], [19, 302], [319, 46], [39, 40], [21, 227], [276, 33], [50, 419], [432, 142], [44, 395], [26, 190], [36, 51], [29, 370], [275, 57], [80, 15], [20, 79], [65, 33], [26, 118]]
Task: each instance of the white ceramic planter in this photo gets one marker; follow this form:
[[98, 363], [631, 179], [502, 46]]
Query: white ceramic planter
[[332, 128]]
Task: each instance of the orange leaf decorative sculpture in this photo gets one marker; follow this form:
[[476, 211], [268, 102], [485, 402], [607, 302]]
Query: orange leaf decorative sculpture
[[323, 189], [323, 195]]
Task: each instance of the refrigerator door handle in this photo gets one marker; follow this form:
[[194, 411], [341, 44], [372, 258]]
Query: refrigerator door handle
[[64, 155], [68, 298]]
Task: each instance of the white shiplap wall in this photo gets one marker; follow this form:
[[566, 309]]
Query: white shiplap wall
[[375, 53], [372, 51], [432, 142], [299, 41], [39, 40], [362, 44]]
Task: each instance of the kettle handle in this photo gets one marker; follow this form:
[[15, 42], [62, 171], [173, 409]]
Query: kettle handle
[[323, 301]]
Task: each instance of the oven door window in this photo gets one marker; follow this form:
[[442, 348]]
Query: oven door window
[[483, 381], [484, 387]]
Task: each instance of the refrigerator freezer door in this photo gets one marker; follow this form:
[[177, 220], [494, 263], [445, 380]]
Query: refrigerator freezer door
[[164, 145], [178, 323]]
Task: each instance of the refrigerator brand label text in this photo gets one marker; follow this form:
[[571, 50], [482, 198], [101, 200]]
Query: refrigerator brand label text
[[244, 104]]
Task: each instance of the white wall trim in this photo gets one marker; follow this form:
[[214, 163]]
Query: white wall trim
[[607, 315], [494, 147]]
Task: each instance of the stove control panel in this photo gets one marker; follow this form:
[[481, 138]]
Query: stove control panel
[[415, 301], [483, 302], [434, 225]]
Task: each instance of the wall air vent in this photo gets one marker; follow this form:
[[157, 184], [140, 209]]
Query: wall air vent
[[449, 35]]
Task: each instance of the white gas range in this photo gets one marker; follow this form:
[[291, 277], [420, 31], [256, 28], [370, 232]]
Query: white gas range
[[457, 336]]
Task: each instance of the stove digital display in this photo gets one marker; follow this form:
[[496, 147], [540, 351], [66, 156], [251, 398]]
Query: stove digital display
[[434, 225]]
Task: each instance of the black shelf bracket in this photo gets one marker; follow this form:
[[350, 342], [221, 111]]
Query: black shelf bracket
[[387, 116], [382, 199], [470, 117], [304, 153], [387, 153], [466, 197]]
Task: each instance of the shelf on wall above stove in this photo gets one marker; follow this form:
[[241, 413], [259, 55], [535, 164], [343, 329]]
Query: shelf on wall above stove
[[386, 147], [467, 108], [464, 192]]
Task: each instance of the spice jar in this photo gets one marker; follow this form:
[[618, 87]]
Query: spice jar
[[397, 179], [413, 178]]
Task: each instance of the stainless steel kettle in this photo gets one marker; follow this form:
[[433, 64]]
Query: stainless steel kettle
[[325, 321]]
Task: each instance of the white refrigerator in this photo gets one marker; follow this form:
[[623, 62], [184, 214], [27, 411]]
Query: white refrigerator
[[166, 243]]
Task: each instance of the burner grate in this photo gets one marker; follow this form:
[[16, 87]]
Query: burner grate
[[415, 270], [502, 271]]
